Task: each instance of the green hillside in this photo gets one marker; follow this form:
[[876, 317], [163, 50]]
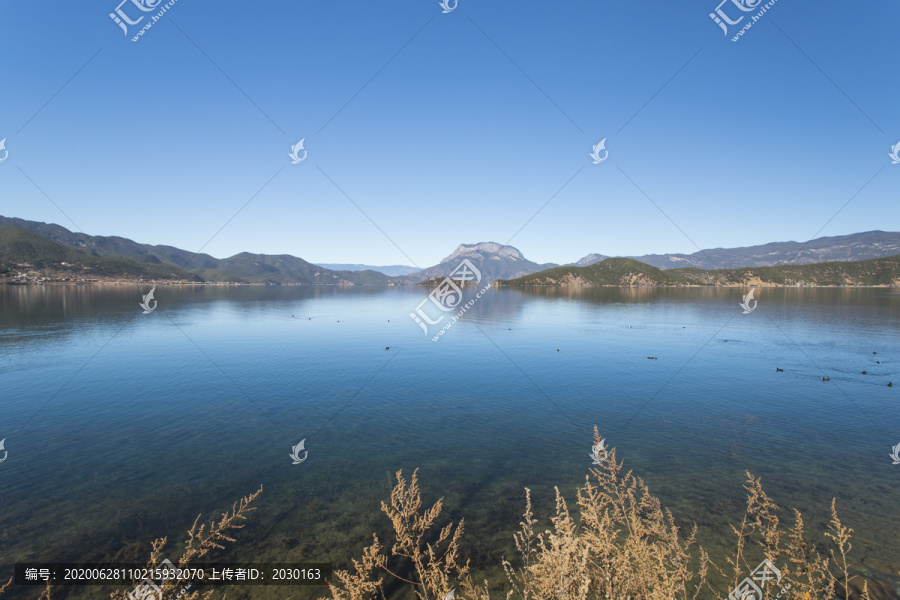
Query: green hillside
[[48, 245], [876, 271], [19, 247], [627, 271], [279, 268], [612, 271]]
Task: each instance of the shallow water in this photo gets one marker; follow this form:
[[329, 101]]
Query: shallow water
[[121, 427]]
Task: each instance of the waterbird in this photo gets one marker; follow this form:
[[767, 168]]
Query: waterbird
[[874, 353], [826, 379], [890, 384], [865, 373], [777, 370], [387, 347], [877, 362], [652, 358]]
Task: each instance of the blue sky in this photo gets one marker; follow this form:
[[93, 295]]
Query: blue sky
[[481, 117]]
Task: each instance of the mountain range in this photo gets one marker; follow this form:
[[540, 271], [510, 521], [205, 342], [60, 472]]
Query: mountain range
[[857, 246], [630, 272], [497, 261], [54, 250]]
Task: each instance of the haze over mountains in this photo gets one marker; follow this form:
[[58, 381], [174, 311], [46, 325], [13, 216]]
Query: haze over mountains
[[53, 247], [392, 270]]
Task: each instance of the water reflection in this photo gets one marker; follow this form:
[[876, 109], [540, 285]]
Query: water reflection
[[121, 427]]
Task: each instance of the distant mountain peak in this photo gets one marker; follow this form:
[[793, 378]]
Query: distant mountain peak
[[590, 259], [483, 248], [493, 260]]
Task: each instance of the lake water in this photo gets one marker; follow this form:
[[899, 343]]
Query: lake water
[[121, 427]]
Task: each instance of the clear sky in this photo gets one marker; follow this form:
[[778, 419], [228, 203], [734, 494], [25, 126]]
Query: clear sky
[[451, 128]]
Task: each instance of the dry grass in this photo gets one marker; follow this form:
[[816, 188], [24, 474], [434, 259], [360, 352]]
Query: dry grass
[[435, 566], [622, 546], [202, 539]]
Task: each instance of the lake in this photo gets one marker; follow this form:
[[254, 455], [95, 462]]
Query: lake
[[121, 427]]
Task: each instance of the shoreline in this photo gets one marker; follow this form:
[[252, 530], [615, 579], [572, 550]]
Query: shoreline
[[181, 283], [493, 284], [710, 286]]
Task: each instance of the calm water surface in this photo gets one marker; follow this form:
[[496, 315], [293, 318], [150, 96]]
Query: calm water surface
[[121, 427]]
